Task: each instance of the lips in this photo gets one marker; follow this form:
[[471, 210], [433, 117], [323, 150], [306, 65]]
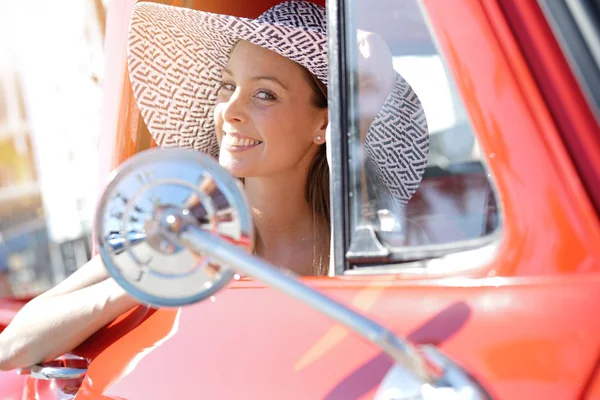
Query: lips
[[238, 142]]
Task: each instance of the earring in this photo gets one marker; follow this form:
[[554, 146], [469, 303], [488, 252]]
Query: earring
[[318, 138]]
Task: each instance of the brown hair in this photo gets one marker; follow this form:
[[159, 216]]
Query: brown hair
[[317, 190]]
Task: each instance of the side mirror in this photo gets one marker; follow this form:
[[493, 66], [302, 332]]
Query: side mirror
[[149, 201], [172, 225]]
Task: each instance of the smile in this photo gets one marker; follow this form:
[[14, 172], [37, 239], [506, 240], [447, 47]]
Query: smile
[[236, 143]]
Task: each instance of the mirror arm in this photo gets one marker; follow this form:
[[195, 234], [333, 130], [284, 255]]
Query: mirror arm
[[401, 351]]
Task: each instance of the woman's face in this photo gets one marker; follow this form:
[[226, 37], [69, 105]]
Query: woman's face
[[265, 119]]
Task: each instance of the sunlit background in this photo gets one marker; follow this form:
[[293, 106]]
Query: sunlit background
[[51, 68]]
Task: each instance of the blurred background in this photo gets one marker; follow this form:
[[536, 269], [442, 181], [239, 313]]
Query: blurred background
[[51, 70]]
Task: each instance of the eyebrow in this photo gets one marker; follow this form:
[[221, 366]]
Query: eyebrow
[[261, 77]]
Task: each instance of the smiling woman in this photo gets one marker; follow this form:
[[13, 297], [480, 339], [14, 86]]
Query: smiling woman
[[268, 100], [270, 122], [270, 130]]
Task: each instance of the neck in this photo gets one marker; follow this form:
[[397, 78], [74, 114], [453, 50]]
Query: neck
[[283, 218]]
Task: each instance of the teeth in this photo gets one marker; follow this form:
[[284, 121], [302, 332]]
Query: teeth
[[241, 142]]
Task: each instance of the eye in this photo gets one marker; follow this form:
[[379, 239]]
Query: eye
[[266, 95], [227, 87]]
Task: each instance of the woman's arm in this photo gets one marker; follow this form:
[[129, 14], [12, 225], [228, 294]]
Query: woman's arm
[[90, 273], [62, 318]]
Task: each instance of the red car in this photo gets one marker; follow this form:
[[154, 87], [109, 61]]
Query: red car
[[485, 288]]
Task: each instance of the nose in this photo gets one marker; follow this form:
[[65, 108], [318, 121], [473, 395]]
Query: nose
[[234, 110]]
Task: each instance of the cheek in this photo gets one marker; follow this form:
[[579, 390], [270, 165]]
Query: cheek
[[289, 126], [279, 134]]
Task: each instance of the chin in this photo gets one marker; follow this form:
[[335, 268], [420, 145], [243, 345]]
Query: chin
[[237, 168]]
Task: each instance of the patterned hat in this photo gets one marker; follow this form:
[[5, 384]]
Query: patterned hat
[[176, 56]]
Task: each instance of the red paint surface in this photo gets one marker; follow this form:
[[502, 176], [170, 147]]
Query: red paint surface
[[557, 82], [11, 385], [248, 342], [593, 391]]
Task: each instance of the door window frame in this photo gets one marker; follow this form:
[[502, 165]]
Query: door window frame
[[411, 260], [338, 124]]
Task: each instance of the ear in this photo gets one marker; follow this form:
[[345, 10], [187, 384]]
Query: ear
[[320, 134], [328, 152]]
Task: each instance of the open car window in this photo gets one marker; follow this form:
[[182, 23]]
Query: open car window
[[454, 206]]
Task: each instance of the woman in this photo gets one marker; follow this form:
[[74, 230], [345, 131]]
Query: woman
[[254, 92], [270, 120]]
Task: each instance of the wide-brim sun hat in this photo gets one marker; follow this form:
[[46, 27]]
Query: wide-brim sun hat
[[176, 56]]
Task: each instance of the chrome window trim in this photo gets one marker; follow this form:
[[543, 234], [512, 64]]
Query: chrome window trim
[[339, 202], [462, 262]]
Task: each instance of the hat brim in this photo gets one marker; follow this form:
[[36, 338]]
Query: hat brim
[[397, 146], [176, 56]]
